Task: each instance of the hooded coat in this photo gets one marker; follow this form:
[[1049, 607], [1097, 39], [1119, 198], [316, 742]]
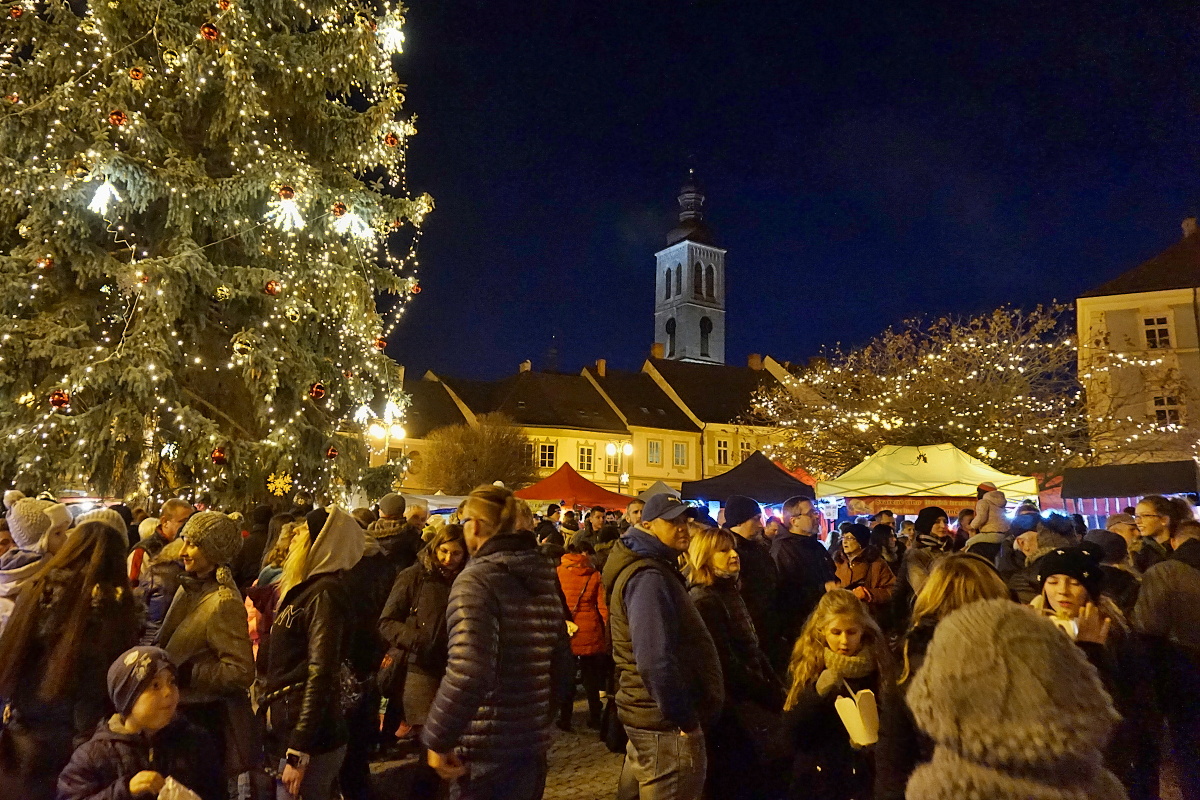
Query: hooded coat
[[508, 651], [309, 639], [583, 588], [101, 768], [989, 513]]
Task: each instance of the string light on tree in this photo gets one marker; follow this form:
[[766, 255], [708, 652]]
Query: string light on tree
[[103, 198], [284, 212]]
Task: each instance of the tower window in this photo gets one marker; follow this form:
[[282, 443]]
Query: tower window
[[705, 334], [1158, 333], [710, 282], [698, 280], [671, 338], [667, 292], [678, 279]]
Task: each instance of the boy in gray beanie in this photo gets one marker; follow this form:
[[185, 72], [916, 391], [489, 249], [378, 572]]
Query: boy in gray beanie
[[1014, 708]]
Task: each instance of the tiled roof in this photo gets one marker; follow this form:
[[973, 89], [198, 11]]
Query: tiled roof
[[541, 399], [1177, 267], [716, 393], [431, 407], [643, 402]]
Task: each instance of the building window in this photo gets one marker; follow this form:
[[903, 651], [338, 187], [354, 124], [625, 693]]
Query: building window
[[681, 454], [546, 456], [745, 450], [722, 452], [671, 338], [612, 464], [527, 450], [710, 282], [586, 459], [654, 452], [698, 280], [667, 293], [705, 333], [1158, 333], [1167, 410], [678, 279]]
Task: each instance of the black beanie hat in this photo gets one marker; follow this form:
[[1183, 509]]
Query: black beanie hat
[[860, 532], [738, 509], [1074, 562], [926, 518]]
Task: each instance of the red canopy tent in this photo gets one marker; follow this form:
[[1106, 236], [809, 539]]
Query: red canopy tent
[[568, 487]]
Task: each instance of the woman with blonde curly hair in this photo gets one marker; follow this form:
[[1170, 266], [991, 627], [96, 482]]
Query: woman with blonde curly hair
[[840, 652]]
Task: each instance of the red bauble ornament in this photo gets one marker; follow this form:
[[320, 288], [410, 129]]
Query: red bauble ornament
[[391, 140], [46, 262], [219, 457], [60, 398], [13, 98], [16, 11], [331, 452], [317, 391], [349, 373], [339, 208], [145, 279], [286, 192], [273, 288], [137, 73], [224, 5], [380, 343], [416, 288], [210, 32], [118, 117]]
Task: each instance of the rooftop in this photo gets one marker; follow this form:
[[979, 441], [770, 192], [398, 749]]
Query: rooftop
[[716, 393], [642, 401], [542, 400], [1177, 267]]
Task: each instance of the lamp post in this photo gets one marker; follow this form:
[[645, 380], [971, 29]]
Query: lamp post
[[625, 450]]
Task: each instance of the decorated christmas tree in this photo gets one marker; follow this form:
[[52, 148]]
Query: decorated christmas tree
[[201, 202]]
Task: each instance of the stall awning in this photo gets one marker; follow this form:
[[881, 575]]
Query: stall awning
[[657, 488], [1131, 480], [938, 470], [756, 477], [572, 489]]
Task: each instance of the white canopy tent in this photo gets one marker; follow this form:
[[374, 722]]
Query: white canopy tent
[[939, 470]]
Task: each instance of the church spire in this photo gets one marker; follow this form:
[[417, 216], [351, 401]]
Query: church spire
[[692, 226]]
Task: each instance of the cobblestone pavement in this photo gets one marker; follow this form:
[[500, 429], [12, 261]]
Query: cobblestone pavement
[[581, 767]]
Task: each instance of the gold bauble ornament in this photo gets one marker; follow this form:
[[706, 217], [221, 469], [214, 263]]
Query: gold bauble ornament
[[223, 293]]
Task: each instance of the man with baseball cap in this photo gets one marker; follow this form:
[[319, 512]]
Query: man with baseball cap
[[668, 672]]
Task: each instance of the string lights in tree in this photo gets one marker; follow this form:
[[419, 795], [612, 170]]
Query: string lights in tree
[[185, 166], [1003, 386]]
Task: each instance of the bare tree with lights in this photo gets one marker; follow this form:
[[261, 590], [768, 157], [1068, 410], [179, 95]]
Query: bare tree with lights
[[199, 206], [1003, 386]]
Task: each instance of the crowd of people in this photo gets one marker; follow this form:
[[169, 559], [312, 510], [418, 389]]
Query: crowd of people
[[276, 652]]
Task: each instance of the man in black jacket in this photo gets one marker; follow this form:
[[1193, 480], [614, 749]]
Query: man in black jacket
[[760, 578], [547, 530], [489, 726], [805, 570]]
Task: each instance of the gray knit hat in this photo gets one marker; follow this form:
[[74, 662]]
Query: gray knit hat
[[27, 521], [106, 515], [1014, 708], [215, 534], [392, 505]]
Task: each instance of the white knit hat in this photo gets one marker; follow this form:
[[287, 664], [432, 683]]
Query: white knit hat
[[27, 521], [60, 518], [147, 526]]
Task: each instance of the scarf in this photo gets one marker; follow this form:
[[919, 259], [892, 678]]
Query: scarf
[[859, 666], [940, 543]]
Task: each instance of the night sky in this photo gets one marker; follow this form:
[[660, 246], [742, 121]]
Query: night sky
[[863, 162]]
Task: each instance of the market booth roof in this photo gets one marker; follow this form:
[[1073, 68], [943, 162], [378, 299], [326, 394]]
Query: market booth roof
[[570, 488], [939, 470], [658, 487], [1131, 480], [755, 477]]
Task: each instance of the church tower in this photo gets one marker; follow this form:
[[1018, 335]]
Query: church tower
[[689, 308]]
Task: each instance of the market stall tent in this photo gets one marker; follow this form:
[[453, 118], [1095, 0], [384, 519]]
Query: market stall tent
[[939, 471], [568, 487], [657, 488], [757, 477], [1109, 489]]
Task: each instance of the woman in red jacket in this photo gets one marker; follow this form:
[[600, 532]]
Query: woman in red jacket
[[584, 593]]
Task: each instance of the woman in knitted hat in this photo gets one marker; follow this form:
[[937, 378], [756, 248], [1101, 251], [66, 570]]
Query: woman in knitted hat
[[134, 751], [1014, 710], [934, 541], [28, 526], [841, 651], [861, 569], [71, 620], [207, 634], [1072, 597], [956, 580]]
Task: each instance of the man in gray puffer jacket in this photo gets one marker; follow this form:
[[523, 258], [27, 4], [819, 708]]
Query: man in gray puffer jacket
[[489, 726]]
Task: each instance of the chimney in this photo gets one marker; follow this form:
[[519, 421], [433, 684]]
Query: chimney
[[526, 366], [657, 350], [754, 361], [1189, 227], [601, 366]]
